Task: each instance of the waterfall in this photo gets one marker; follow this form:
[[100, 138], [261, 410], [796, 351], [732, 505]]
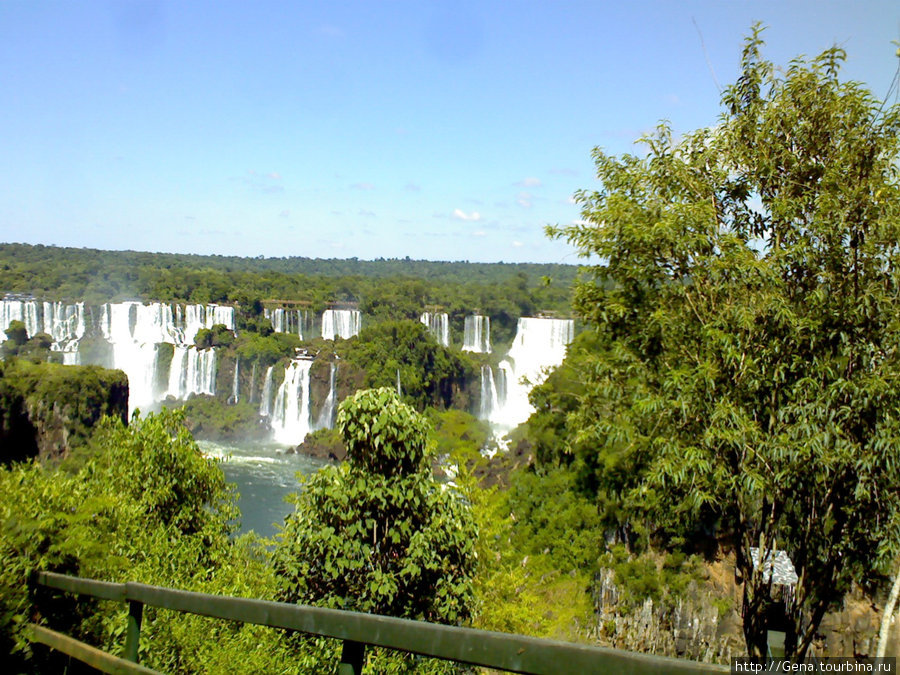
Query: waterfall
[[326, 416], [134, 330], [193, 371], [539, 344], [265, 403], [399, 390], [235, 387], [276, 317], [253, 384], [197, 317], [490, 397], [343, 323], [294, 321], [290, 418], [477, 334], [438, 325], [64, 323]]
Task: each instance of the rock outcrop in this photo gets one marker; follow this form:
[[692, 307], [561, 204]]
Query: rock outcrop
[[47, 409]]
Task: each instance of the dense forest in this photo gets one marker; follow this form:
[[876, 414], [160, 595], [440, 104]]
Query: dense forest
[[90, 275], [733, 399]]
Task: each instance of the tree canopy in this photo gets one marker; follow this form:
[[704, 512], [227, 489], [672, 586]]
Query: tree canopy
[[744, 293], [377, 533]]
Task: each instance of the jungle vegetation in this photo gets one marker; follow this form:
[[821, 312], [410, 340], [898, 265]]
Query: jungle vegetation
[[737, 386]]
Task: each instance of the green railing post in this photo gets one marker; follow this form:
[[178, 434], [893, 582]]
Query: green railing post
[[133, 636], [352, 656]]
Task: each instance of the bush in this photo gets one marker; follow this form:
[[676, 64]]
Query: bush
[[377, 533]]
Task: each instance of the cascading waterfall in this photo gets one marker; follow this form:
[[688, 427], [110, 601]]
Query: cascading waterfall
[[193, 371], [64, 323], [266, 402], [294, 321], [326, 416], [477, 334], [438, 325], [253, 384], [343, 323], [399, 389], [539, 344], [290, 415], [492, 399], [134, 330], [203, 316], [235, 385]]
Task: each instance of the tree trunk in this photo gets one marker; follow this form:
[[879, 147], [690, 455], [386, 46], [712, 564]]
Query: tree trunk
[[888, 615], [754, 617]]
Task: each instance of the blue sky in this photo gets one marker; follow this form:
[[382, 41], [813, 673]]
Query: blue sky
[[436, 130]]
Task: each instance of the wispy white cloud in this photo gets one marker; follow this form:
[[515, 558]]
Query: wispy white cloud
[[479, 233], [285, 214], [263, 182], [517, 244], [459, 214], [523, 199], [530, 182], [412, 187], [362, 186], [366, 213]]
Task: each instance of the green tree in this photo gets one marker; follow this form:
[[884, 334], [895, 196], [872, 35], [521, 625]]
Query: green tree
[[143, 504], [745, 295], [377, 533]]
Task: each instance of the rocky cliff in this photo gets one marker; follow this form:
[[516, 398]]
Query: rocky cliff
[[47, 409]]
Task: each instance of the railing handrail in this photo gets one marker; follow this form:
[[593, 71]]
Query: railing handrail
[[504, 651]]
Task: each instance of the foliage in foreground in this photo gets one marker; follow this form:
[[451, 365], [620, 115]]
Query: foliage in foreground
[[747, 368], [377, 533], [144, 505]]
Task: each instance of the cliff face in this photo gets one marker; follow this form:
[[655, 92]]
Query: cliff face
[[705, 624], [47, 409]]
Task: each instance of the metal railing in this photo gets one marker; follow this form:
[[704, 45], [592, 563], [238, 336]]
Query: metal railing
[[502, 651]]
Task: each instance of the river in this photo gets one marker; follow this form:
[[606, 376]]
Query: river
[[264, 475]]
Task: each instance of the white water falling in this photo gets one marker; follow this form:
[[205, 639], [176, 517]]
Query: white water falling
[[290, 415], [253, 384], [197, 317], [438, 325], [266, 402], [399, 389], [343, 323], [276, 317], [293, 321], [477, 334], [193, 371], [491, 399], [539, 344], [235, 385], [134, 330], [10, 310], [64, 323], [326, 416]]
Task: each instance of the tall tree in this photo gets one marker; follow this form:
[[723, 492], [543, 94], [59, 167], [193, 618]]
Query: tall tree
[[377, 533], [744, 290]]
